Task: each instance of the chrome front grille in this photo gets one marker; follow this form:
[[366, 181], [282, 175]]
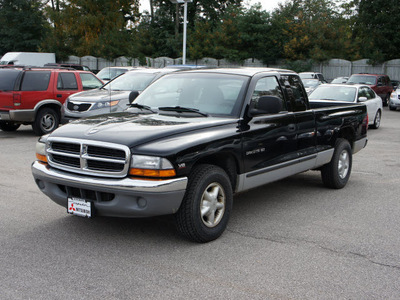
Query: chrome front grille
[[88, 157]]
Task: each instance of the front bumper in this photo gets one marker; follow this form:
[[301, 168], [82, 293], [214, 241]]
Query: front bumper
[[394, 102], [125, 197]]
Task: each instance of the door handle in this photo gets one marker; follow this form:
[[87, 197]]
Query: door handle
[[291, 127]]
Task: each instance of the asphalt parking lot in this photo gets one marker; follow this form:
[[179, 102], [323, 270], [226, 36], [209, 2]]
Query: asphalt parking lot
[[292, 239]]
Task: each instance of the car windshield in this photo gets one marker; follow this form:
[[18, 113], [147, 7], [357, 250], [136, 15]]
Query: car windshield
[[335, 93], [213, 94], [7, 79], [362, 79], [310, 83], [110, 73], [131, 81]]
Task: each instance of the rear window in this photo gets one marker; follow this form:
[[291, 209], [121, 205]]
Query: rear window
[[7, 79], [35, 81]]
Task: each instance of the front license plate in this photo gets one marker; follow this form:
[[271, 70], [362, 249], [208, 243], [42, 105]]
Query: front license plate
[[79, 207]]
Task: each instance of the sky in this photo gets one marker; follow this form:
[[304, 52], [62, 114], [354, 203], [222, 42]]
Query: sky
[[268, 5]]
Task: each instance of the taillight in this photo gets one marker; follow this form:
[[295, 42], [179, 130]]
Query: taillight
[[17, 99], [365, 124]]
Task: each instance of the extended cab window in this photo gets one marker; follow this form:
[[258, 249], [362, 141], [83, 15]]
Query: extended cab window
[[89, 81], [267, 86], [294, 91], [35, 81], [67, 81]]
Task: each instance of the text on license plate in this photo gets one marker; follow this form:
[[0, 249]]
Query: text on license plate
[[79, 207]]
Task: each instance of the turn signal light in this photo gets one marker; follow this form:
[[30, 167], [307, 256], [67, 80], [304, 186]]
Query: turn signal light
[[152, 173], [41, 157]]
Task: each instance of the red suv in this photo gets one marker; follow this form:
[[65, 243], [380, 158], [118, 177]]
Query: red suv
[[380, 83], [36, 95]]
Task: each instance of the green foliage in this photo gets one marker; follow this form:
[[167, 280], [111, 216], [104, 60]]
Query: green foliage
[[22, 25], [377, 29], [91, 27], [299, 65], [308, 30]]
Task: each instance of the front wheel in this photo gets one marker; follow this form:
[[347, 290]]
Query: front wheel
[[205, 209], [385, 101], [46, 121], [9, 126], [336, 173]]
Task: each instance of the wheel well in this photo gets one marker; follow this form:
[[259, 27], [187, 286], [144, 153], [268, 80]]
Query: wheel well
[[225, 161], [55, 107], [348, 134]]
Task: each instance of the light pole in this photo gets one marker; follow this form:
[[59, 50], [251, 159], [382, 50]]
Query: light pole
[[185, 2]]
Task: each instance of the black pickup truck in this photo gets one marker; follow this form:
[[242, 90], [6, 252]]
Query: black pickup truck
[[193, 139]]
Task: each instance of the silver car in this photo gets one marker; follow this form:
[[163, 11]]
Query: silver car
[[112, 97], [394, 100]]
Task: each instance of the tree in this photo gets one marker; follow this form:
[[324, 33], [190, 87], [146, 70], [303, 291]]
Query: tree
[[92, 27], [313, 29], [21, 25], [377, 29]]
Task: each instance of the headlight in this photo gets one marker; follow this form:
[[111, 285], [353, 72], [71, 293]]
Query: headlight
[[41, 149], [107, 103], [151, 166], [393, 95]]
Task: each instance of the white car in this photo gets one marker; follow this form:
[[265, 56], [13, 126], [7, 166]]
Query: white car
[[310, 84], [357, 93], [109, 73], [394, 101]]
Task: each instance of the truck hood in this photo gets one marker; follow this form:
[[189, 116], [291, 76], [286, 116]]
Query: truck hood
[[132, 129], [99, 95]]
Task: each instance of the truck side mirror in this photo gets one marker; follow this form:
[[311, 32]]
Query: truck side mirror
[[266, 105], [132, 96]]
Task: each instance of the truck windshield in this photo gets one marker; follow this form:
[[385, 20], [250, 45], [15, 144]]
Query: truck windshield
[[7, 79], [212, 94], [362, 79]]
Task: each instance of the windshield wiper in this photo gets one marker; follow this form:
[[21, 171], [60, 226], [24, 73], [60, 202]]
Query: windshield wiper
[[141, 106], [182, 109]]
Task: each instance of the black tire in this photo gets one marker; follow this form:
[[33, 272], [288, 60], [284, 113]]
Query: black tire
[[46, 121], [209, 187], [336, 173], [385, 101], [377, 120], [9, 126]]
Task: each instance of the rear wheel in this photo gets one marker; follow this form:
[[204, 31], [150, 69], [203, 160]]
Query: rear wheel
[[47, 120], [9, 126], [205, 209], [377, 120], [336, 173]]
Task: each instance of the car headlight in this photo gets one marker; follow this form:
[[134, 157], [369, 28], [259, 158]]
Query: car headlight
[[41, 149], [393, 96], [151, 166], [107, 103]]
